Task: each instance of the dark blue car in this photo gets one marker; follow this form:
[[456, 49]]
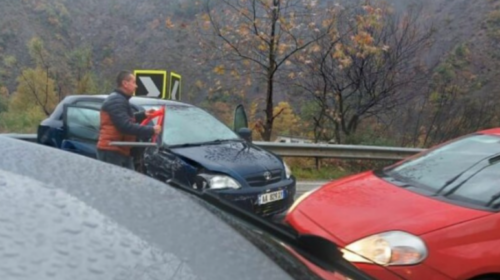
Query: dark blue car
[[195, 149]]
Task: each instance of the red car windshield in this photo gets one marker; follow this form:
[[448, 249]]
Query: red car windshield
[[465, 170]]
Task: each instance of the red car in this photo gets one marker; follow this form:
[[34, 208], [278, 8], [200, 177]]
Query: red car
[[432, 216]]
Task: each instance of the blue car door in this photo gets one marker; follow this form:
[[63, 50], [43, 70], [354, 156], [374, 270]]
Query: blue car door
[[239, 118], [81, 129], [240, 123]]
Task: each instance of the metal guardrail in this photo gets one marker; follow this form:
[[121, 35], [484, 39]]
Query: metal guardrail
[[338, 151], [310, 150]]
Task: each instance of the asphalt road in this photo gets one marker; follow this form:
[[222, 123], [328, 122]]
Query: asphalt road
[[304, 186]]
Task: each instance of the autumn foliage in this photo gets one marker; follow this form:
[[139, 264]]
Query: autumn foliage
[[358, 72]]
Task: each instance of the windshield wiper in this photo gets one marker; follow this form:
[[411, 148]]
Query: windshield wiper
[[218, 141], [186, 145], [393, 179], [493, 198], [212, 142], [316, 249], [491, 160], [450, 181], [496, 196]]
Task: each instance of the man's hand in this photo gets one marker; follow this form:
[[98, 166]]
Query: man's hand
[[150, 112], [157, 129]]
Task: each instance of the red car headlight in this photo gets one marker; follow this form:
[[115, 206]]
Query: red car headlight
[[388, 248]]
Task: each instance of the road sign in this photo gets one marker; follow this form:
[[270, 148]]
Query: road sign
[[151, 83], [175, 86]]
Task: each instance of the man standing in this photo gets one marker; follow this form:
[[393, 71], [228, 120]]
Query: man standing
[[118, 123]]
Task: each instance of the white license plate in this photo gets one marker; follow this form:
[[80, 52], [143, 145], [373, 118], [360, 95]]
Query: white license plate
[[270, 197]]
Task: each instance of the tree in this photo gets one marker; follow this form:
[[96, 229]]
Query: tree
[[35, 90], [4, 99], [286, 122], [80, 60], [34, 99], [222, 111], [450, 109], [256, 39], [316, 122], [222, 106], [369, 71]]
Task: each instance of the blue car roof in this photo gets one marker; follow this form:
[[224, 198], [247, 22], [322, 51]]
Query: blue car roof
[[137, 100]]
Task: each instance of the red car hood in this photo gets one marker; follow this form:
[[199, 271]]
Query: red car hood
[[362, 205]]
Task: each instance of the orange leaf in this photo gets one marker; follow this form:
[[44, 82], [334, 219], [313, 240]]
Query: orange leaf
[[219, 70], [168, 23]]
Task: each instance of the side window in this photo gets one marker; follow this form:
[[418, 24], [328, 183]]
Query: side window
[[82, 123], [87, 103]]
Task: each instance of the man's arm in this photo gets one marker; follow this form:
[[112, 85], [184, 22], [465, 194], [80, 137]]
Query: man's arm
[[140, 116], [118, 114]]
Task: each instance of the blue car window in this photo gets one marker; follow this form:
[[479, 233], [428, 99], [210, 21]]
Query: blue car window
[[83, 123]]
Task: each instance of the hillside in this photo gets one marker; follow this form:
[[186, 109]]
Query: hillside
[[133, 34], [119, 34], [91, 38]]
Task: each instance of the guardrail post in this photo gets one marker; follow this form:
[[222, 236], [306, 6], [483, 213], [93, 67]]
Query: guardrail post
[[318, 163]]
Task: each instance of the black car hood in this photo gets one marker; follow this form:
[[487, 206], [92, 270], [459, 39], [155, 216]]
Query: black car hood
[[228, 157], [65, 216], [72, 239]]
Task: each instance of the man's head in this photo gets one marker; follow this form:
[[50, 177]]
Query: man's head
[[126, 82]]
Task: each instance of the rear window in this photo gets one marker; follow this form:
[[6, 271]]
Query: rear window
[[466, 169]]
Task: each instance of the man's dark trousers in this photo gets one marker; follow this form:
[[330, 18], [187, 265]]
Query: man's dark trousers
[[115, 158]]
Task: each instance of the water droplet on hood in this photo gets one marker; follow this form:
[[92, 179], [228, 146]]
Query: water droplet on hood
[[90, 224]]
